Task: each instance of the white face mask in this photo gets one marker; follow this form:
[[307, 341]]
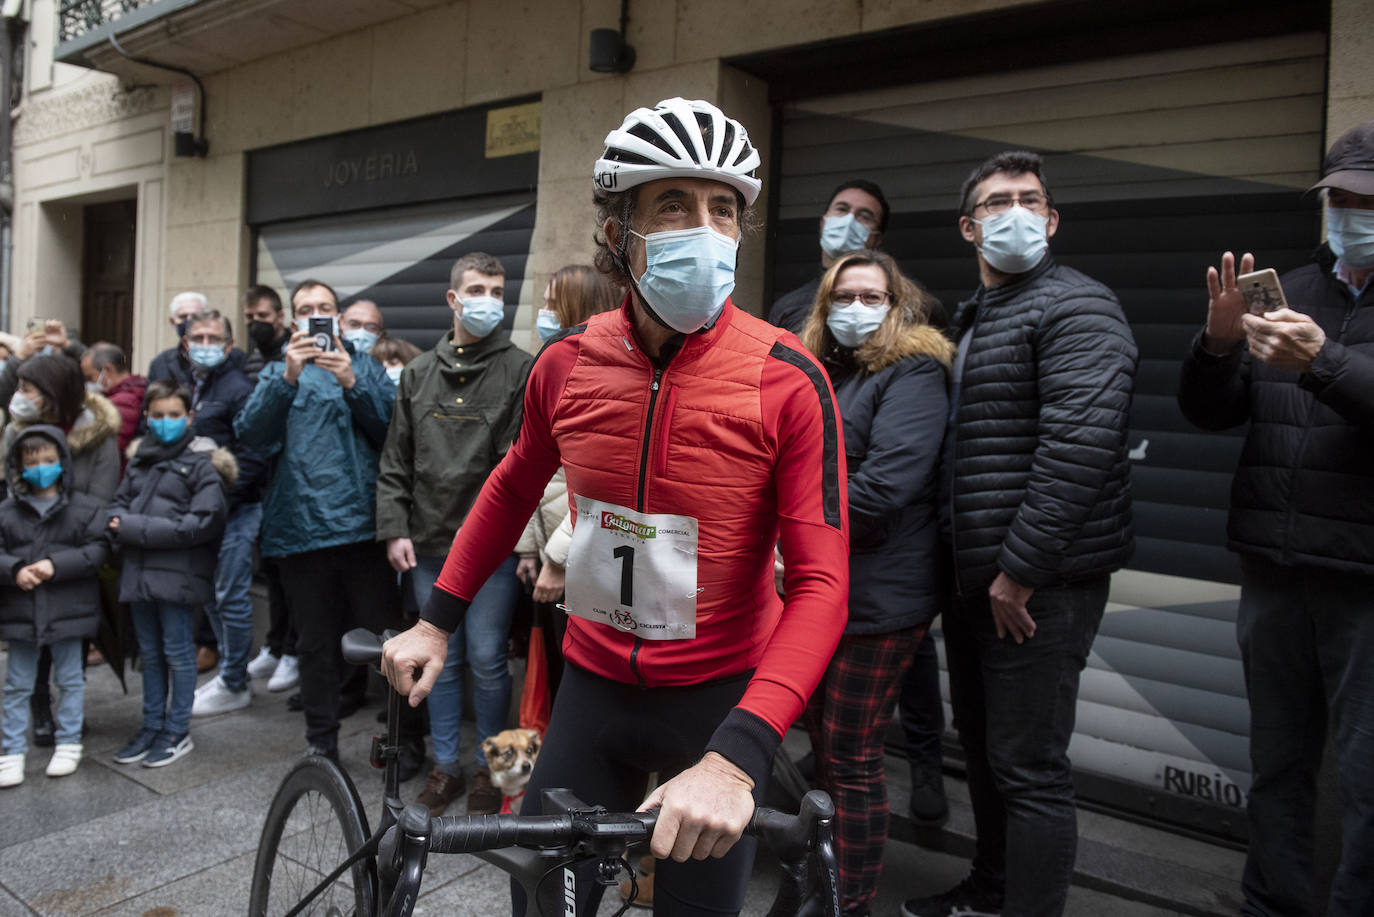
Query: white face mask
[[394, 374], [1014, 240], [855, 323], [21, 408], [842, 234], [481, 315]]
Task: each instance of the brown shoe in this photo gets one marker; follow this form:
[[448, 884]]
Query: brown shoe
[[206, 659], [441, 788], [484, 798]]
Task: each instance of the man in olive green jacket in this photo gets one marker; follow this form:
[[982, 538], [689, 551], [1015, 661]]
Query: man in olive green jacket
[[457, 410]]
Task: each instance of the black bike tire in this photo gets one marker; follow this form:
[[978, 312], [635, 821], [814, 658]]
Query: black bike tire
[[319, 774]]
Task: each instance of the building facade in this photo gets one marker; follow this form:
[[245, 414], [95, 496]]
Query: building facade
[[369, 142]]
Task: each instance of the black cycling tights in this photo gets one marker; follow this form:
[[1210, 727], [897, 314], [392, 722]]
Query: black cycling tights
[[605, 739]]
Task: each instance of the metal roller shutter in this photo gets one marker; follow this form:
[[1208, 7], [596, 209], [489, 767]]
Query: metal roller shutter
[[1158, 162], [400, 257]]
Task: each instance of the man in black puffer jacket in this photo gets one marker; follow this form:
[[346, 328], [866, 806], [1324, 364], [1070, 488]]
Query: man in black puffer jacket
[[1302, 520], [1040, 516]]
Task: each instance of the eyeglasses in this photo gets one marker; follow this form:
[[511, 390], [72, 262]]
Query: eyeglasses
[[1001, 203], [371, 327], [867, 297]]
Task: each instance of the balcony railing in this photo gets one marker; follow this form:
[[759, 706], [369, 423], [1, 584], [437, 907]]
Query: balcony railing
[[77, 17]]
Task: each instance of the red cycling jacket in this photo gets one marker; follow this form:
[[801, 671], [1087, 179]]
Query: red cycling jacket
[[738, 429]]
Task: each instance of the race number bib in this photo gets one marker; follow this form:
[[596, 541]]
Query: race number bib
[[636, 572]]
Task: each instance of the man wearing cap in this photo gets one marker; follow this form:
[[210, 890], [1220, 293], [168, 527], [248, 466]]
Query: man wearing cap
[[694, 437], [1302, 521]]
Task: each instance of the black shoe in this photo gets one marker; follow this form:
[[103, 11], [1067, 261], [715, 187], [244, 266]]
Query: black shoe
[[411, 759], [928, 808], [976, 896], [44, 730], [324, 751], [293, 703]]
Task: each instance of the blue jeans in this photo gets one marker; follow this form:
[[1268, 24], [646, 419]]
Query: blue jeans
[[1014, 707], [1306, 640], [166, 643], [480, 642], [66, 674], [231, 613]]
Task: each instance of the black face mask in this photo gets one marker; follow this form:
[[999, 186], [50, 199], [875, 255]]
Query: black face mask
[[261, 334], [183, 327]]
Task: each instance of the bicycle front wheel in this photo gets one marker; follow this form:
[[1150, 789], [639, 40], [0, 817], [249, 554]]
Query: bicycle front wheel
[[316, 821]]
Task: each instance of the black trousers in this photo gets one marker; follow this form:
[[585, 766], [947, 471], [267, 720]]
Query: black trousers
[[604, 741], [281, 631], [331, 591]]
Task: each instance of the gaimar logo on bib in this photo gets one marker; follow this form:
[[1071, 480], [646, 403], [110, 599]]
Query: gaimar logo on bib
[[610, 520]]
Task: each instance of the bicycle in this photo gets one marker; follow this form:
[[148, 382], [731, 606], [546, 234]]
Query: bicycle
[[316, 855]]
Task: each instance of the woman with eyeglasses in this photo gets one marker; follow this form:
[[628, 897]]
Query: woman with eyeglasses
[[870, 328]]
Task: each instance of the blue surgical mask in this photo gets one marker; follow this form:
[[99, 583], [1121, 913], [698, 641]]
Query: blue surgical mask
[[1014, 240], [855, 323], [206, 356], [394, 374], [481, 315], [168, 429], [689, 274], [361, 339], [41, 477], [1350, 233], [842, 234], [546, 324]]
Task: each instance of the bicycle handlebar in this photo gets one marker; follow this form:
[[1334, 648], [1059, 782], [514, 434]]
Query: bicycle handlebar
[[802, 842]]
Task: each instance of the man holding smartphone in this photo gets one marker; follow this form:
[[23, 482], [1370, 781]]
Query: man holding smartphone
[[1302, 521], [324, 415]]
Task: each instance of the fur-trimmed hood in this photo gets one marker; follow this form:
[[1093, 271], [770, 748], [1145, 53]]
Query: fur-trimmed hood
[[222, 459], [98, 421], [918, 341]]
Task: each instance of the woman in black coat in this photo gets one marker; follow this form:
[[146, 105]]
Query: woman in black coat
[[890, 370]]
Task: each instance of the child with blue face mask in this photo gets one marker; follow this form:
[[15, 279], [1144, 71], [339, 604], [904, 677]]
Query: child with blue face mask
[[52, 542], [168, 515]]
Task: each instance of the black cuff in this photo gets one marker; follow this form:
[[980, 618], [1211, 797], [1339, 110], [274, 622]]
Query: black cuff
[[748, 742], [444, 610], [1207, 358]]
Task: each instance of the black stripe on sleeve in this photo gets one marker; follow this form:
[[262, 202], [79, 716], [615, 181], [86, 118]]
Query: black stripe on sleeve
[[830, 454]]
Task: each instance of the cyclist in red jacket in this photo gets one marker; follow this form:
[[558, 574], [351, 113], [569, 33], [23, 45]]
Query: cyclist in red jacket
[[694, 437]]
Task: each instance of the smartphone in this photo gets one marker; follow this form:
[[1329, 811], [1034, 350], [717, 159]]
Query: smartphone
[[38, 324], [321, 331], [1261, 291]]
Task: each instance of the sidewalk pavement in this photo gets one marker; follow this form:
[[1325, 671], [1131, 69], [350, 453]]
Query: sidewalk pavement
[[162, 842]]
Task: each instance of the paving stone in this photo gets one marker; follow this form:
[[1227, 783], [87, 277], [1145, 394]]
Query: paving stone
[[11, 906], [41, 804]]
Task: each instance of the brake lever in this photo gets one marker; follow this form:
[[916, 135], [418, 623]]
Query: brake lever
[[407, 844]]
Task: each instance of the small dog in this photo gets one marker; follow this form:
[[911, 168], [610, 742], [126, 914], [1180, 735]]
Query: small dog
[[510, 755]]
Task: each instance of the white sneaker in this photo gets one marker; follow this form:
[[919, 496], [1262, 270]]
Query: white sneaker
[[65, 758], [287, 675], [263, 664], [216, 697], [11, 770], [201, 689]]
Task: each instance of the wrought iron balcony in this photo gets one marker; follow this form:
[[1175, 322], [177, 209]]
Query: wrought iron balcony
[[77, 17]]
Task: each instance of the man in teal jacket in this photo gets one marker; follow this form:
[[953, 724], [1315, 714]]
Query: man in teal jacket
[[324, 415]]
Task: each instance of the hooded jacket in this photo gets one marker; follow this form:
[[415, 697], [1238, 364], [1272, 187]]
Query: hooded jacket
[[219, 396], [127, 397], [172, 509], [70, 533], [93, 441], [326, 440], [1041, 481], [894, 405], [457, 410], [1303, 494]]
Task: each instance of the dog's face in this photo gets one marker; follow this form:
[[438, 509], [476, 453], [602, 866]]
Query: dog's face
[[510, 757]]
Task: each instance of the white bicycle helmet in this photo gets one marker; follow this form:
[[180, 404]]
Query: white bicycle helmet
[[679, 139]]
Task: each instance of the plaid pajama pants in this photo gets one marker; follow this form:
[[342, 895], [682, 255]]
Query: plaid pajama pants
[[847, 718]]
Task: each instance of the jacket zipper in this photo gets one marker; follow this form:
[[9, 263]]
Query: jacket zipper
[[1286, 550], [639, 497]]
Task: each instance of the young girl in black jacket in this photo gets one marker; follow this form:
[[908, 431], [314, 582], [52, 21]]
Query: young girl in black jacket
[[168, 515]]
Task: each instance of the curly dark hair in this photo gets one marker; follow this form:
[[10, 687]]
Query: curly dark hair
[[1010, 162], [619, 207]]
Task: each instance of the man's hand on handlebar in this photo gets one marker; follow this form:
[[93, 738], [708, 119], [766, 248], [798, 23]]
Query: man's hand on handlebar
[[423, 648], [703, 810]]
